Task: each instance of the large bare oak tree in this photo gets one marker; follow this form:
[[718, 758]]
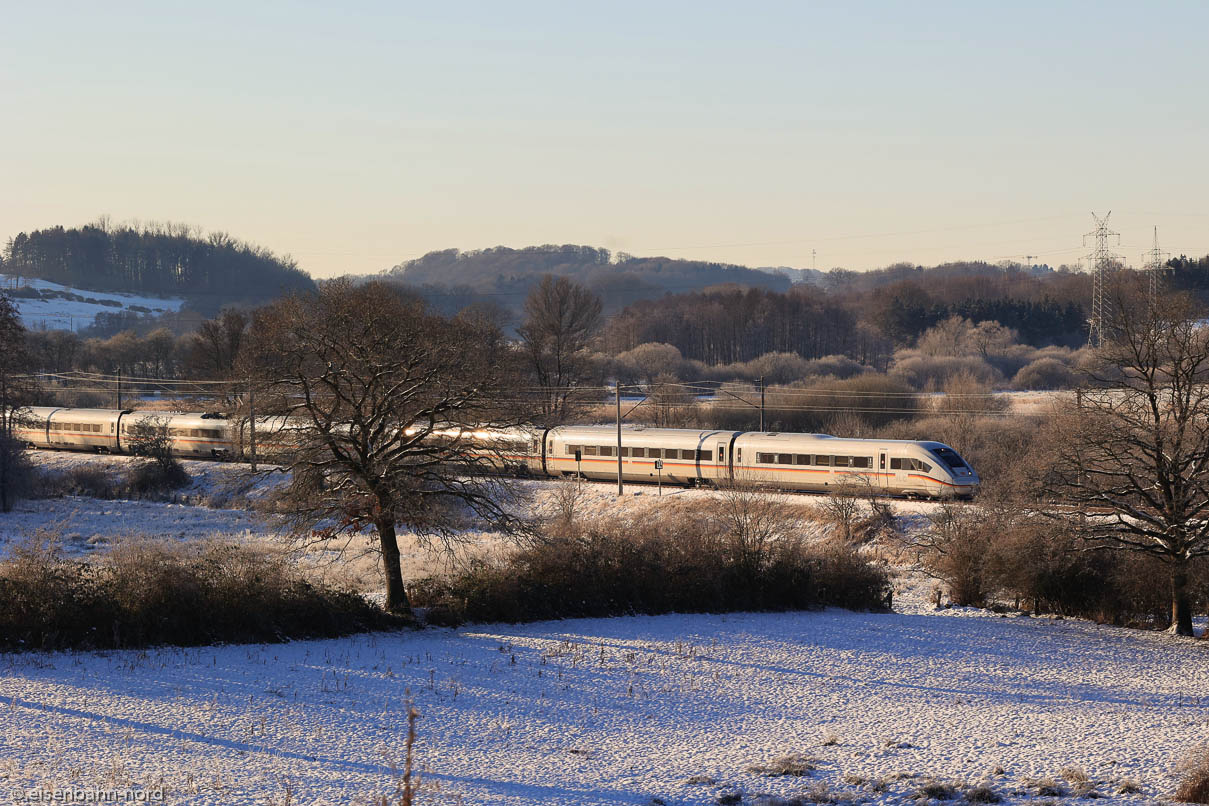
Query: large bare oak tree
[[1134, 460], [381, 395]]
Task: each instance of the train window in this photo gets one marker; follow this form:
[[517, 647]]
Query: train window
[[589, 450], [766, 458], [625, 452], [638, 452], [654, 453], [862, 461], [842, 461], [925, 467], [607, 450], [801, 459], [705, 456], [896, 464], [785, 458], [822, 461], [571, 449]]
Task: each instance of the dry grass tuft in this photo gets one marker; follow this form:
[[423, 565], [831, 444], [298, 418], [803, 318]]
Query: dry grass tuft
[[982, 794], [1046, 787], [700, 780], [1128, 787], [935, 790], [794, 764], [1194, 784]]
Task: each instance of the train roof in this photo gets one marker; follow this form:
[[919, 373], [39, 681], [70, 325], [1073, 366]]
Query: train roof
[[785, 438], [643, 434]]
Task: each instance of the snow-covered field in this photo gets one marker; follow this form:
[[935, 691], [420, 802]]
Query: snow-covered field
[[65, 308], [613, 711], [616, 711]]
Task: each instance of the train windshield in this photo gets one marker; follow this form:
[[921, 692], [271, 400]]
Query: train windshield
[[952, 460]]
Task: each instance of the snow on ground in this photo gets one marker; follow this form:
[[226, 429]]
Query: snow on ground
[[615, 711], [607, 711], [62, 307]]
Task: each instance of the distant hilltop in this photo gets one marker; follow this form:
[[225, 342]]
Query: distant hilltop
[[208, 271], [452, 278]]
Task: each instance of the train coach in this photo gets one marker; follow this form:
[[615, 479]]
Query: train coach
[[788, 461], [814, 462]]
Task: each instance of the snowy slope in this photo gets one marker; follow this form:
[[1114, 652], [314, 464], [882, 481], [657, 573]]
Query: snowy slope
[[617, 711], [61, 307]]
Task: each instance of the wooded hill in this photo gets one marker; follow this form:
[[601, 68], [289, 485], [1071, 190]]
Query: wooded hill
[[210, 270], [452, 279]]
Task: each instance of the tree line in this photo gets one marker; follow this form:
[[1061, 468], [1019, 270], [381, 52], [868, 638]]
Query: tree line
[[212, 270]]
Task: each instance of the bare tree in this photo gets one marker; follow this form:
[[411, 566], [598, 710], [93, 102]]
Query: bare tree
[[16, 389], [560, 318], [384, 398], [1135, 463], [215, 346]]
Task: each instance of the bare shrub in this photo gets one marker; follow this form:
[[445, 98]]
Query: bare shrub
[[931, 373], [1045, 373], [1194, 782], [722, 557], [936, 790], [982, 794], [795, 764], [1046, 787], [842, 506], [955, 551], [87, 480], [146, 592], [840, 367]]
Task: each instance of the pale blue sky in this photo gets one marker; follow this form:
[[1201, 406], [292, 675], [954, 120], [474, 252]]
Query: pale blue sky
[[356, 137]]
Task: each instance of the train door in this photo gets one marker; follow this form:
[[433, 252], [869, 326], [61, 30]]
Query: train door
[[883, 471], [720, 467]]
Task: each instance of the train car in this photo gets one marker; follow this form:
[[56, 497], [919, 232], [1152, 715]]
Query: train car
[[194, 434], [684, 456], [69, 429], [814, 462], [821, 462]]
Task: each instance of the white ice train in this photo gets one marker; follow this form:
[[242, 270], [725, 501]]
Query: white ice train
[[815, 462]]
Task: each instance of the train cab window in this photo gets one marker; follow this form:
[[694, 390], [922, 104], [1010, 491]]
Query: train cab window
[[638, 453], [925, 467], [607, 450], [766, 458], [896, 464], [589, 450], [785, 458]]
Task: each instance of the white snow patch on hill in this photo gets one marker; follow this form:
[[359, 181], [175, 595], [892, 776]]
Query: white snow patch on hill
[[61, 307]]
